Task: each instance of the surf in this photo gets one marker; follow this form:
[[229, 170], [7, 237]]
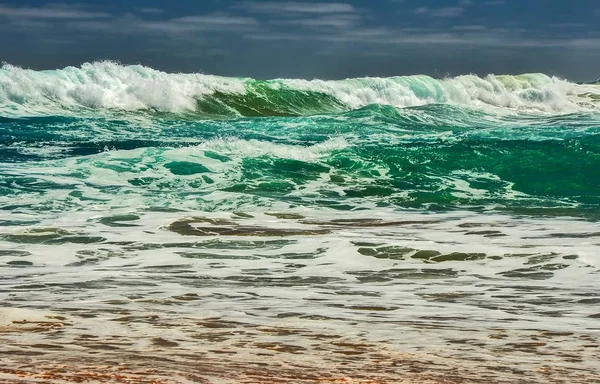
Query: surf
[[109, 87]]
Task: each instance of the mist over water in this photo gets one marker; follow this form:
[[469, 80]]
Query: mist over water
[[374, 228]]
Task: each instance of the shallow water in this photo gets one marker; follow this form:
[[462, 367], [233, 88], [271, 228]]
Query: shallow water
[[453, 238]]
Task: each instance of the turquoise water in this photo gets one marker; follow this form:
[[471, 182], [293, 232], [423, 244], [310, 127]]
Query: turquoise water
[[454, 209], [416, 158]]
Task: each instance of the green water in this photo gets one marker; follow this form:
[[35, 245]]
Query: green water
[[435, 157], [318, 223]]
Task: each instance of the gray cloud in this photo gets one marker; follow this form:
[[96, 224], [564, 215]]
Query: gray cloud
[[325, 22], [342, 21], [281, 38], [50, 12], [463, 36], [277, 7], [440, 12], [151, 10], [567, 25], [216, 20], [132, 25], [469, 28]]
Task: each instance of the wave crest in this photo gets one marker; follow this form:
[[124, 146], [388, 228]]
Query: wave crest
[[109, 86]]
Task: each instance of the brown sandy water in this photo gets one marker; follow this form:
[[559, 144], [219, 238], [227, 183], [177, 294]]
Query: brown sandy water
[[282, 298]]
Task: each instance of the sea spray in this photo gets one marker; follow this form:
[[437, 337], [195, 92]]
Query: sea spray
[[107, 86]]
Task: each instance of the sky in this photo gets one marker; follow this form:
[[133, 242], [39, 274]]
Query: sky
[[307, 38]]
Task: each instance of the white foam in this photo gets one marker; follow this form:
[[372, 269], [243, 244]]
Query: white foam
[[110, 86], [529, 91], [106, 85], [256, 148], [13, 317]]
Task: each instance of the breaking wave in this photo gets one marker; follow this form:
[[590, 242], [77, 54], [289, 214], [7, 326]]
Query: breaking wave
[[108, 86]]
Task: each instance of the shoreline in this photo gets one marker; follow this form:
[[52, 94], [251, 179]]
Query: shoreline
[[223, 352]]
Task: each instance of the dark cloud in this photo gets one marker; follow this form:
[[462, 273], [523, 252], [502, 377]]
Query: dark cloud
[[301, 38]]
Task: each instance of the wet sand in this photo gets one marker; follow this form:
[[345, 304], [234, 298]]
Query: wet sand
[[283, 299], [52, 351]]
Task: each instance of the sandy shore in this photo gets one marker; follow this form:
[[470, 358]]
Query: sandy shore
[[44, 347]]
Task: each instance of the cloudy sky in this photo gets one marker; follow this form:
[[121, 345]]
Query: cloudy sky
[[308, 38]]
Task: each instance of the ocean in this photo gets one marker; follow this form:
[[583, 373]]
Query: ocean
[[196, 228]]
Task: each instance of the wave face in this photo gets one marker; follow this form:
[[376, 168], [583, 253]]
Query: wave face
[[107, 86]]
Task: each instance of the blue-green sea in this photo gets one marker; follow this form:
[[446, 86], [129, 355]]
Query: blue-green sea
[[372, 228]]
